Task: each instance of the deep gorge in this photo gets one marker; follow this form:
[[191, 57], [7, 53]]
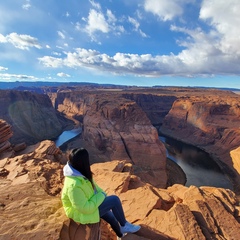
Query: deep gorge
[[208, 119], [212, 114]]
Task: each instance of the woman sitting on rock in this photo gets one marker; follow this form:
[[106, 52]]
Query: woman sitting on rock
[[85, 202]]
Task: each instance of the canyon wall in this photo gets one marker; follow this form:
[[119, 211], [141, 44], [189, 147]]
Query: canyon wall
[[121, 130], [205, 118], [118, 128], [31, 116], [155, 105], [211, 122], [5, 134], [71, 103]]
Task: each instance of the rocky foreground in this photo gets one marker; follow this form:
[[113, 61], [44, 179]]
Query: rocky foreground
[[30, 206]]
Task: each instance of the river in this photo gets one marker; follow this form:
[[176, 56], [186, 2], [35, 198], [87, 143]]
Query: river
[[67, 135], [199, 167]]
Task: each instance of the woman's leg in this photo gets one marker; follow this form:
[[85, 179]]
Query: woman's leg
[[112, 212], [113, 203], [110, 218]]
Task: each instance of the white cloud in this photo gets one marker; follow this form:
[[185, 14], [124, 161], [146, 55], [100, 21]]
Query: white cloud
[[96, 22], [164, 9], [145, 65], [134, 22], [95, 5], [213, 49], [56, 54], [3, 68], [61, 34], [224, 17], [200, 58], [61, 74], [2, 39], [7, 76], [67, 14], [217, 50], [99, 22], [52, 62], [20, 41], [136, 26], [111, 18], [27, 5]]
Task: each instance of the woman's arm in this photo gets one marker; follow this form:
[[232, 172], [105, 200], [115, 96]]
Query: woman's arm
[[99, 189], [82, 203]]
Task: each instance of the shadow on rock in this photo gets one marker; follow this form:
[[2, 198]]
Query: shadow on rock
[[147, 233]]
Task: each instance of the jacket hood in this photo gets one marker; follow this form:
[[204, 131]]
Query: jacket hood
[[69, 171]]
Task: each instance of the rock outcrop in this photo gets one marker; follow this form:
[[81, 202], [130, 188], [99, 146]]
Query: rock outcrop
[[210, 122], [156, 105], [121, 130], [5, 134], [31, 116], [72, 103], [235, 156], [30, 205]]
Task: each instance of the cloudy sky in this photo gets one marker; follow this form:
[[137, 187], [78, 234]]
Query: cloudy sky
[[130, 42]]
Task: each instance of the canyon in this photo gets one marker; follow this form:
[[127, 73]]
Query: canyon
[[31, 116], [120, 130], [206, 118]]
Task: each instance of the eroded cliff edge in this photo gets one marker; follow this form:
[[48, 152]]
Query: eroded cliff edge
[[121, 130], [206, 118], [30, 205], [31, 116], [210, 121]]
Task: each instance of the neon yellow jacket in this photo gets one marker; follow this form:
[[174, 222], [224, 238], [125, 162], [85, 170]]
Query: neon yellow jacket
[[80, 201]]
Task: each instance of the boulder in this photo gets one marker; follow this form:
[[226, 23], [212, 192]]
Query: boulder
[[5, 134]]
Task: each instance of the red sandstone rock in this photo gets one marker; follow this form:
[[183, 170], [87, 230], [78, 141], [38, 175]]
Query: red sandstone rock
[[235, 155], [210, 122], [30, 191], [19, 147], [29, 182], [5, 131], [5, 134], [31, 116], [122, 131]]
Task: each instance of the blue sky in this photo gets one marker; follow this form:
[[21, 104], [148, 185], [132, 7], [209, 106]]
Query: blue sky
[[129, 42]]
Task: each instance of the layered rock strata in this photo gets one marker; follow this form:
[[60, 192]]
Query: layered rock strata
[[155, 105], [5, 134], [211, 123], [121, 130], [30, 205], [31, 116], [208, 119]]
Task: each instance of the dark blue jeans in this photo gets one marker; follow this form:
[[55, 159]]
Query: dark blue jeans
[[112, 212]]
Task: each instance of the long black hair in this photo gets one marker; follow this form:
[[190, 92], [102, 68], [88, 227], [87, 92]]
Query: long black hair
[[79, 159]]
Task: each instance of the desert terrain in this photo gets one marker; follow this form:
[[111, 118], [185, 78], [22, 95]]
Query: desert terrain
[[120, 130]]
